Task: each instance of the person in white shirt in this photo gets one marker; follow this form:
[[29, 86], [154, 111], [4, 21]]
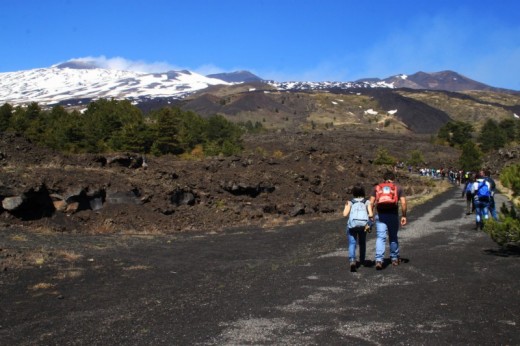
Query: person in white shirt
[[481, 191]]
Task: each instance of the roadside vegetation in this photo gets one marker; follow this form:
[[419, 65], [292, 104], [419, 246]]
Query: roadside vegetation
[[507, 231], [474, 144]]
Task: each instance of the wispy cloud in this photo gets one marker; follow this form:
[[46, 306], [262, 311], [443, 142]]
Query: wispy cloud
[[118, 63]]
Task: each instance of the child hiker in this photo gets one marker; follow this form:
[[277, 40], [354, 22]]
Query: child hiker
[[360, 218]]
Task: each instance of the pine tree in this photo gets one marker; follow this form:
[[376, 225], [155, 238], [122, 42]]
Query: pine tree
[[6, 112], [471, 157], [491, 136]]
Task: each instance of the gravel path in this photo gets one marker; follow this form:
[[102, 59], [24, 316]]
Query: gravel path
[[289, 286]]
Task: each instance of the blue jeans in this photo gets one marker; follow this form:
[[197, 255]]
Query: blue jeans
[[481, 210], [355, 234], [387, 224]]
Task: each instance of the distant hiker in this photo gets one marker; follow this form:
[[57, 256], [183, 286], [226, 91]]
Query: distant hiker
[[386, 197], [360, 218], [466, 191], [481, 190], [492, 207]]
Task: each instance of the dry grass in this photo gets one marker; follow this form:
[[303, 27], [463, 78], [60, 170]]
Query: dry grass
[[69, 256], [19, 237], [138, 267], [41, 286], [73, 273]]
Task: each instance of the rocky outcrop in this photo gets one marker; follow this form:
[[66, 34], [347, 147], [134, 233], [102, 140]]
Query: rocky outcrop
[[32, 204]]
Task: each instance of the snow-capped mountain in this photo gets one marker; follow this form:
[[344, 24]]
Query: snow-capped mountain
[[443, 80], [83, 80], [80, 80]]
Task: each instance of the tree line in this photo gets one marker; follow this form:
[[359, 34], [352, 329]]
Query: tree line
[[493, 135], [117, 125]]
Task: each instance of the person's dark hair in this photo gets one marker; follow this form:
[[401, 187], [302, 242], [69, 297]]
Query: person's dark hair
[[389, 176], [487, 173], [358, 191]]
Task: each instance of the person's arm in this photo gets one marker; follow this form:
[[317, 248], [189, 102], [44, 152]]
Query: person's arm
[[370, 209], [346, 211], [403, 210], [372, 202]]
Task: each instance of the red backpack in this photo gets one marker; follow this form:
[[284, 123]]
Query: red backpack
[[386, 194]]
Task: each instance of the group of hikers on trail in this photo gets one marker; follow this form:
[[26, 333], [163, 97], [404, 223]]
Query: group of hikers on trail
[[382, 209], [385, 198], [480, 197]]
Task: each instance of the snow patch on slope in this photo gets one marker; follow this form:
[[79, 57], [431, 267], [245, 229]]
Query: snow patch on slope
[[62, 82]]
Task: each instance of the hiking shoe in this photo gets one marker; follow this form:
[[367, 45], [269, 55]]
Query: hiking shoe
[[353, 267], [379, 265]]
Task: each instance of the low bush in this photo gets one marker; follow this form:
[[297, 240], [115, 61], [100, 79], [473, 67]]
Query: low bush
[[507, 230]]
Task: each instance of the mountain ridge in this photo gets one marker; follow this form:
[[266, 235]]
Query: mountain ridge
[[77, 79]]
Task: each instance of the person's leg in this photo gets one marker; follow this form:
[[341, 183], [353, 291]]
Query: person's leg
[[481, 213], [351, 234], [381, 230], [393, 228], [362, 246], [485, 212]]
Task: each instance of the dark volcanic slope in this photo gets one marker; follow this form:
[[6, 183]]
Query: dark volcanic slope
[[418, 116]]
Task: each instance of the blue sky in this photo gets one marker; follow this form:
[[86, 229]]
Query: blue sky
[[297, 40]]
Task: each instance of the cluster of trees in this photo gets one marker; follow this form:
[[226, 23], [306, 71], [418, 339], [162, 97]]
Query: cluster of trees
[[112, 125], [493, 135]]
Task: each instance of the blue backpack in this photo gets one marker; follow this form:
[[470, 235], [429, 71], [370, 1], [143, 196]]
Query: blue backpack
[[483, 190], [358, 216], [468, 188]]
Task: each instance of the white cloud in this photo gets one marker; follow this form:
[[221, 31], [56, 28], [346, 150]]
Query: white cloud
[[118, 63]]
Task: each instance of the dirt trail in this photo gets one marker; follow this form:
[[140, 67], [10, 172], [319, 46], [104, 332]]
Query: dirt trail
[[277, 286]]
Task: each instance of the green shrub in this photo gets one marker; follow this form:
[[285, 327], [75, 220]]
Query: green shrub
[[416, 158], [505, 232], [384, 158]]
